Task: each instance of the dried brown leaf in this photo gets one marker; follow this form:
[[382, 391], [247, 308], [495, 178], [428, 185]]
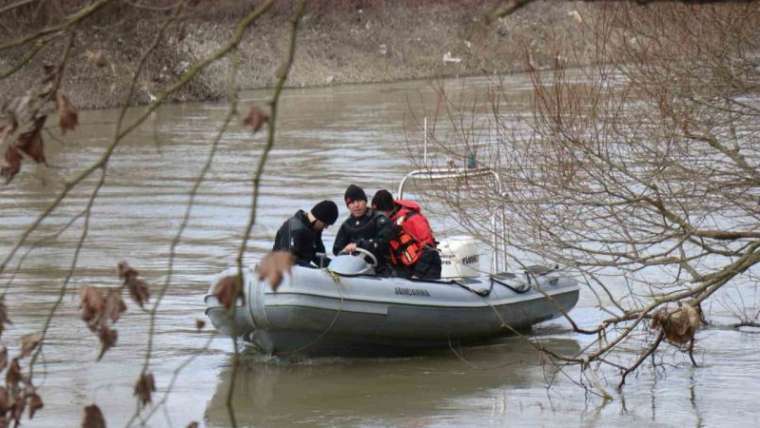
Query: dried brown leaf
[[227, 290], [115, 305], [199, 324], [8, 127], [93, 304], [144, 388], [29, 343], [31, 143], [255, 118], [34, 403], [13, 375], [138, 289], [192, 425], [3, 357], [12, 164], [274, 266], [68, 117], [107, 338], [3, 320], [126, 271], [17, 410], [92, 417], [4, 400]]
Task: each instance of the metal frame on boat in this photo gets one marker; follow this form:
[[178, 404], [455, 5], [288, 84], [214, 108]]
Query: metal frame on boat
[[498, 224]]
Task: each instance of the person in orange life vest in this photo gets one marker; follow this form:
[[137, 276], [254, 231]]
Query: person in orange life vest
[[413, 251]]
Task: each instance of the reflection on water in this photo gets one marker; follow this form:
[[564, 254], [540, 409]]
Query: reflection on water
[[392, 391], [327, 138]]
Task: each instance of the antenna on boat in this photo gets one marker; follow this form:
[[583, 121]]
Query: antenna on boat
[[424, 144]]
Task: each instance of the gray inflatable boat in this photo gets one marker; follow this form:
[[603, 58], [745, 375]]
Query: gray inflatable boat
[[345, 308]]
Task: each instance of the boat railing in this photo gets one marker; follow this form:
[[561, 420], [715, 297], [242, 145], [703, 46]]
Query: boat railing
[[498, 220]]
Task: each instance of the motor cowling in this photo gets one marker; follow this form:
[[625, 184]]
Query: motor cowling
[[460, 257]]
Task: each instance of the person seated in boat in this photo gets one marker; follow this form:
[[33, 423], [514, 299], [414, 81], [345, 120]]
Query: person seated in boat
[[364, 228], [302, 234], [413, 247]]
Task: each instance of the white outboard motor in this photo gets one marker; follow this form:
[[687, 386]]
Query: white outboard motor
[[459, 257]]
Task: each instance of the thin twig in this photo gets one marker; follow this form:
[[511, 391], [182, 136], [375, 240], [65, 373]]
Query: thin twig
[[641, 359], [282, 76]]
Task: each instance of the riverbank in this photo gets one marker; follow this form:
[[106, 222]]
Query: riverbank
[[350, 43]]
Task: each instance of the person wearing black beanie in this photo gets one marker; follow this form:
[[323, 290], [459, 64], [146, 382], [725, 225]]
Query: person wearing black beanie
[[364, 228], [326, 212], [354, 193], [301, 234]]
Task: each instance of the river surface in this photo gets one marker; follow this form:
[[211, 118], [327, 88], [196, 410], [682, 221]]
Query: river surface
[[326, 139]]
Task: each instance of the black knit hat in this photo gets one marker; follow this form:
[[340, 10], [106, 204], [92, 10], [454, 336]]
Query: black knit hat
[[326, 212], [354, 193], [383, 200]]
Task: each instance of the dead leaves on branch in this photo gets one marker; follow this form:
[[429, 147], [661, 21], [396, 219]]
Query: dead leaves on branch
[[679, 325], [101, 307], [23, 118], [18, 392], [255, 119], [92, 417], [13, 375], [11, 165], [29, 343], [29, 143], [138, 289], [68, 116], [3, 316], [107, 337], [34, 401], [272, 268], [144, 388]]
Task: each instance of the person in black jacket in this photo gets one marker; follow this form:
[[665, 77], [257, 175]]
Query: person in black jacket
[[302, 234], [365, 228]]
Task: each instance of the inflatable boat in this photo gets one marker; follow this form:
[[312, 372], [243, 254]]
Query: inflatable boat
[[346, 308], [332, 310]]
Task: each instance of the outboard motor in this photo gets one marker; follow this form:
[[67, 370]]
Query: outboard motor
[[460, 257], [347, 264]]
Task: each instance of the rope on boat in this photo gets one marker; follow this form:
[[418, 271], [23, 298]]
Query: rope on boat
[[481, 293], [522, 290], [486, 293]]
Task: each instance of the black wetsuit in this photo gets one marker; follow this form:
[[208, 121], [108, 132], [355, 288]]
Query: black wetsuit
[[297, 236], [372, 232]]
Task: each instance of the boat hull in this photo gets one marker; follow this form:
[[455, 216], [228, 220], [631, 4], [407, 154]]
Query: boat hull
[[315, 311]]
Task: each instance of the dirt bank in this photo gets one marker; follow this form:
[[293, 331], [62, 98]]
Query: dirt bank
[[356, 42]]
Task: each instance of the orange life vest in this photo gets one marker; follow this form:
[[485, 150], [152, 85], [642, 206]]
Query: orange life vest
[[414, 233]]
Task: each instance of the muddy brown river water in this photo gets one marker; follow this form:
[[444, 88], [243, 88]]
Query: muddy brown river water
[[327, 138]]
